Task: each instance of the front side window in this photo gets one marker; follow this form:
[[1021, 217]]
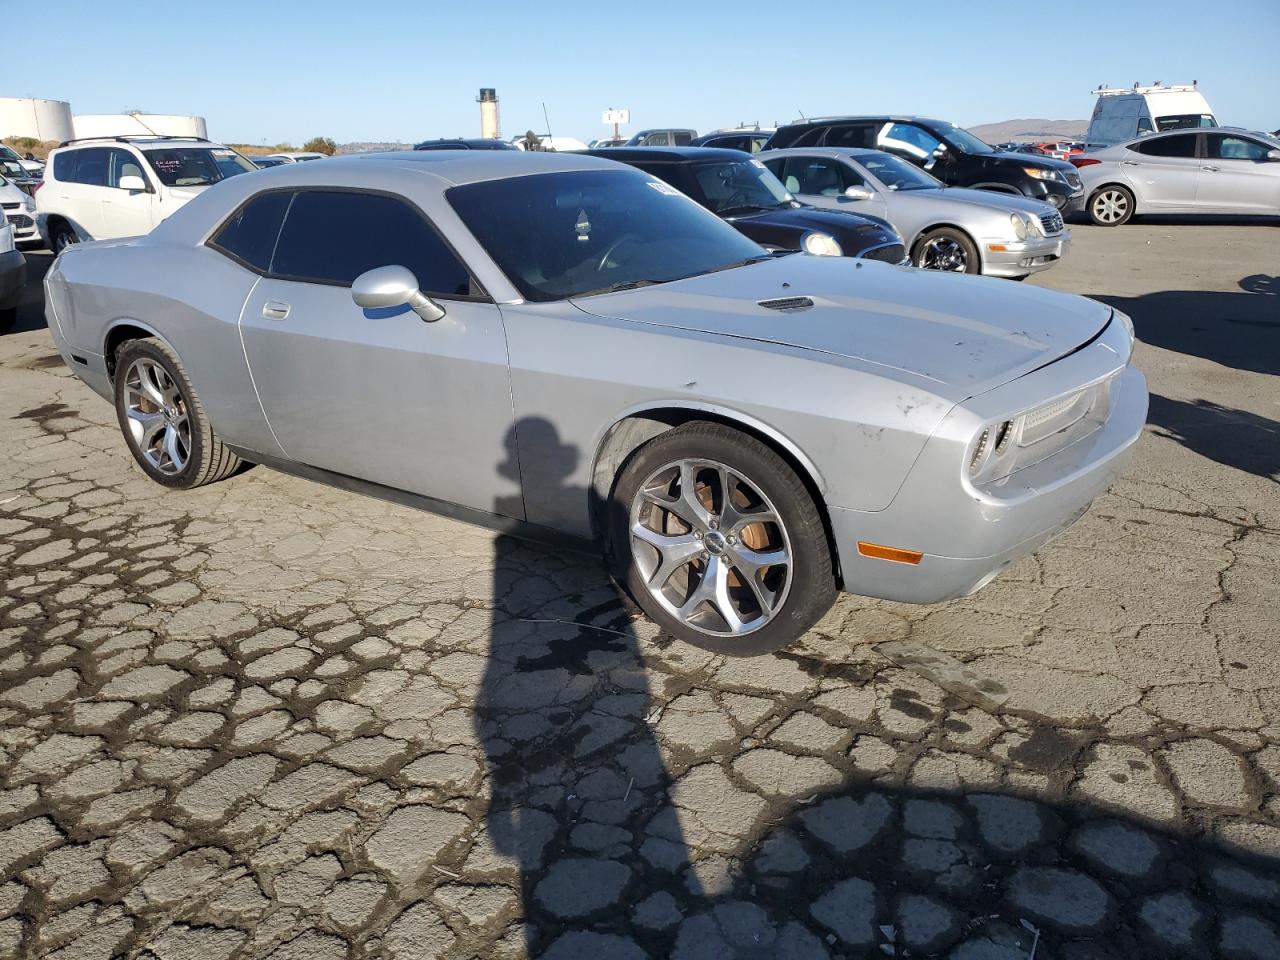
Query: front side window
[[908, 140], [332, 236], [1179, 146], [250, 235], [560, 235], [896, 174], [682, 138], [122, 163], [196, 166], [1225, 147]]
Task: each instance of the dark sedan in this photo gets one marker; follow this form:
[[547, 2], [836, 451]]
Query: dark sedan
[[747, 195], [459, 143]]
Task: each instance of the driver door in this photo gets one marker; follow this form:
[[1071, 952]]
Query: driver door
[[380, 395]]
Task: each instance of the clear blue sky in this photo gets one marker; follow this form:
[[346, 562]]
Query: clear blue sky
[[283, 70]]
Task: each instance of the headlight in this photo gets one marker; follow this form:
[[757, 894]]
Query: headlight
[[1128, 324], [1041, 173], [1019, 226], [821, 245]]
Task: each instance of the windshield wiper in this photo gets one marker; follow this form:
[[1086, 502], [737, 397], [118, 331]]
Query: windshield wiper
[[725, 211], [618, 287]]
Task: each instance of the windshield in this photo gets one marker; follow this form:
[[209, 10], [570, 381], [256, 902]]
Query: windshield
[[559, 235], [1185, 121], [896, 173], [963, 139], [196, 166], [739, 186]]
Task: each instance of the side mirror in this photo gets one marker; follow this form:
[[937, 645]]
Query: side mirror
[[132, 184], [394, 286], [1273, 155], [858, 192]]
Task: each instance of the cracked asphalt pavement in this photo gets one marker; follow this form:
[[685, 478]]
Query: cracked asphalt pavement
[[273, 719]]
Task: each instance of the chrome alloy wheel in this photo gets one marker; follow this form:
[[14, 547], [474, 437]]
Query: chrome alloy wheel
[[943, 253], [1110, 206], [157, 416], [710, 547]]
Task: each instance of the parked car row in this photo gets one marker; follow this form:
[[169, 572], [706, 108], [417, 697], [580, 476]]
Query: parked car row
[[582, 350]]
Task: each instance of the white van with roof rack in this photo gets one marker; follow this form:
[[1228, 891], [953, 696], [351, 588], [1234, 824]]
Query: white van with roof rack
[[1123, 114], [107, 187]]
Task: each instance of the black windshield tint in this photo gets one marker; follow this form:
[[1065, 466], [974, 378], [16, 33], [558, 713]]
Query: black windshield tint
[[559, 235], [962, 138], [196, 166], [250, 235]]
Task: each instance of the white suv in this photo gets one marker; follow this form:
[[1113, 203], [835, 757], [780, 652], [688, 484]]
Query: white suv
[[123, 186]]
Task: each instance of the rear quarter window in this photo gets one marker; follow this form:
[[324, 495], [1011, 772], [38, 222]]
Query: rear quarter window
[[64, 166], [250, 234]]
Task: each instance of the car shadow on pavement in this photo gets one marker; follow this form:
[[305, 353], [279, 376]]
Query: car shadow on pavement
[[1239, 330], [786, 849], [1234, 438]]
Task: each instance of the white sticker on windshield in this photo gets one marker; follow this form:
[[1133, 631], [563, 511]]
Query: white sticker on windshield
[[666, 189], [223, 153]]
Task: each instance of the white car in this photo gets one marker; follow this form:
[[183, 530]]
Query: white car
[[111, 187], [1213, 172], [19, 211], [297, 156], [31, 168]]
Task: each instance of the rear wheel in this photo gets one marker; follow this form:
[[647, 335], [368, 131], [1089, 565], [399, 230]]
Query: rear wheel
[[719, 541], [946, 249], [61, 236], [162, 419], [1111, 206]]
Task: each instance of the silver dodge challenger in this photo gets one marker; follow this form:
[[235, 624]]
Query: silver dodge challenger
[[565, 347]]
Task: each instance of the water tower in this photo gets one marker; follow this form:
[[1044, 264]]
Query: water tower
[[488, 101]]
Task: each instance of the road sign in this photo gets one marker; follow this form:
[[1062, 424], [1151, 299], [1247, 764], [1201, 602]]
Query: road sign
[[616, 116]]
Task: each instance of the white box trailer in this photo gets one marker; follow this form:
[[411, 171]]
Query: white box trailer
[[1123, 114]]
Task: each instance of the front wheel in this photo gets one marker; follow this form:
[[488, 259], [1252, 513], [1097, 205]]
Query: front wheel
[[720, 542], [946, 249], [1111, 206], [162, 419]]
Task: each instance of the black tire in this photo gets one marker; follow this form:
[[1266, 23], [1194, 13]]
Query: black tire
[[207, 458], [811, 589], [61, 236], [921, 252], [1110, 206], [8, 319]]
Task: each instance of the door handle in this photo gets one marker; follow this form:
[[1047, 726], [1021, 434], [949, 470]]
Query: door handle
[[1210, 169], [1130, 163], [275, 310]]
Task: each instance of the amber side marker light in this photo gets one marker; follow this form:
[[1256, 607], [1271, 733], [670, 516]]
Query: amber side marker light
[[895, 554]]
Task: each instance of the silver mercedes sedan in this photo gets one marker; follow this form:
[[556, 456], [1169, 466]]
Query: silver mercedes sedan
[[566, 347], [945, 228]]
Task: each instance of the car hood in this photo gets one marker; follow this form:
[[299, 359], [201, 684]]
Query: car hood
[[988, 199], [835, 222], [956, 336]]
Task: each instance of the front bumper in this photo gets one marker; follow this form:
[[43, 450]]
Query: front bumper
[[968, 534], [13, 278], [24, 225], [1020, 258]]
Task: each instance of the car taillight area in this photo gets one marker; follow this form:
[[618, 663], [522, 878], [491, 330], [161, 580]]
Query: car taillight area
[[1081, 162]]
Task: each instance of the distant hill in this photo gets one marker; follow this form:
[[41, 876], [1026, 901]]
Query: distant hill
[[1007, 130], [362, 146]]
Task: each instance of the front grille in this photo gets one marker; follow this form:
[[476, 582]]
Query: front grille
[[1052, 222], [786, 303], [10, 206], [888, 253], [20, 221], [1074, 180]]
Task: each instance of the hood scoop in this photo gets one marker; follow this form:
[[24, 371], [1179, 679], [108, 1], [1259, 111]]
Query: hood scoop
[[786, 303]]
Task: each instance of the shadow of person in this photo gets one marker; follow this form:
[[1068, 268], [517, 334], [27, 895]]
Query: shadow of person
[[1235, 438], [575, 771]]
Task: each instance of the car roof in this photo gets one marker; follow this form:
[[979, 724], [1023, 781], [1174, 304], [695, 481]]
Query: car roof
[[856, 118], [828, 151], [473, 166], [665, 154], [147, 143]]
